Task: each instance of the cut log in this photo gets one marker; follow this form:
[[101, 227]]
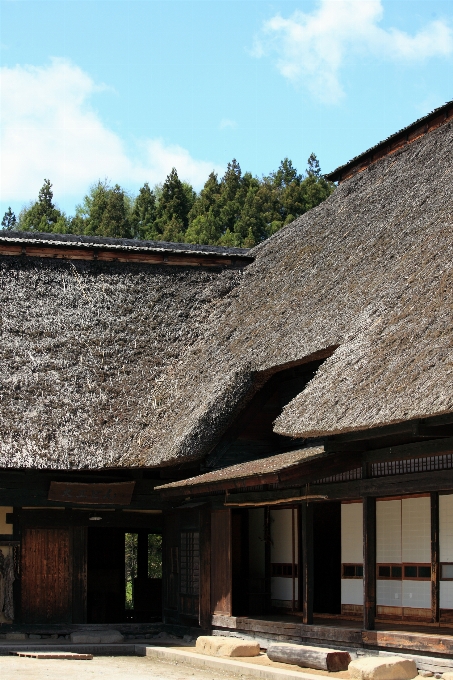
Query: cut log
[[320, 658]]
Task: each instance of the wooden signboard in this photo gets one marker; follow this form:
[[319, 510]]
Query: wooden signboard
[[119, 493]]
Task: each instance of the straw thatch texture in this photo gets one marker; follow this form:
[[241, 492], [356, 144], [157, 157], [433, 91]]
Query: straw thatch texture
[[251, 469], [84, 350], [369, 270]]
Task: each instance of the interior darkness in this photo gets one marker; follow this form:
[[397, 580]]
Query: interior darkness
[[105, 575], [106, 587], [327, 558]]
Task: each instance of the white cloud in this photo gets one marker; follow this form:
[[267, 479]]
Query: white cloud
[[48, 129], [226, 123], [311, 47]]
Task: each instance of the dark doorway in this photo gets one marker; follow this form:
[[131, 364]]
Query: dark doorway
[[124, 575], [105, 575], [327, 558]]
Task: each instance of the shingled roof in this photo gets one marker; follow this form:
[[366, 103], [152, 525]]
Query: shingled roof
[[369, 271]]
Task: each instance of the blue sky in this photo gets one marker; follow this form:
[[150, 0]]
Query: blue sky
[[126, 89]]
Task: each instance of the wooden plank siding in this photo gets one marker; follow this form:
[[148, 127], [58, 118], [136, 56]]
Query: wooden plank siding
[[46, 575]]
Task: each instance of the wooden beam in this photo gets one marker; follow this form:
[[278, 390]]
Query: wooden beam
[[369, 563], [394, 485], [307, 562], [413, 450], [435, 566]]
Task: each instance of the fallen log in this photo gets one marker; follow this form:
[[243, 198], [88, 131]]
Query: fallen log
[[309, 657]]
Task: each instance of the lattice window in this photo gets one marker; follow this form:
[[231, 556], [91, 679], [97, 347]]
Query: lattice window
[[401, 467], [190, 563], [348, 476]]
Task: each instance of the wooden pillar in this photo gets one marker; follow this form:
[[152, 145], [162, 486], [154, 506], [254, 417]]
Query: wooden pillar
[[221, 566], [435, 567], [306, 572], [79, 574], [205, 569], [369, 563], [267, 559]]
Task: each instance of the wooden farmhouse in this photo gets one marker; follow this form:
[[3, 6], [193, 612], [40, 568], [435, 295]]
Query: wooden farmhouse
[[282, 417]]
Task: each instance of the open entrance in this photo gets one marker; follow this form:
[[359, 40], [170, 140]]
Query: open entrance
[[327, 558], [124, 575]]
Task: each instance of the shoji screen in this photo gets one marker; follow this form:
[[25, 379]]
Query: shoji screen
[[283, 548], [403, 556], [446, 550], [351, 557]]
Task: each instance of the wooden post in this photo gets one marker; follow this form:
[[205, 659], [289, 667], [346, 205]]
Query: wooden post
[[79, 574], [205, 569], [221, 567], [306, 572], [267, 559], [435, 567], [369, 562]]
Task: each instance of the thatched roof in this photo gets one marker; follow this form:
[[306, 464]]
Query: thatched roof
[[396, 141], [109, 364], [85, 346], [245, 474], [370, 271]]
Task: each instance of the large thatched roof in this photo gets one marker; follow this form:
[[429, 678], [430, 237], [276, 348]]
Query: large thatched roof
[[120, 364], [369, 271], [86, 345]]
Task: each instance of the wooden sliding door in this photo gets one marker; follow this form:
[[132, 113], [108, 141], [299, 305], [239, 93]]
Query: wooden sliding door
[[46, 576]]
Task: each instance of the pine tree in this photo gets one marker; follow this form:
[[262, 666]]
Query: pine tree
[[144, 213], [42, 215], [173, 208], [115, 222], [9, 220]]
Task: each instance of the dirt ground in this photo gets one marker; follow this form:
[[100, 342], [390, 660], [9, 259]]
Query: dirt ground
[[100, 668], [118, 668]]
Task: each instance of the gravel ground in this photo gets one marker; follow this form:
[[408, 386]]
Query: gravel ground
[[108, 667]]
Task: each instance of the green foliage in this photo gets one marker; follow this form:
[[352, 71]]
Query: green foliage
[[144, 213], [154, 556], [42, 215], [9, 220], [236, 210], [130, 562]]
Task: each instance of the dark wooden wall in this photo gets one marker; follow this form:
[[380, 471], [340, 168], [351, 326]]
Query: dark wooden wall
[[221, 564]]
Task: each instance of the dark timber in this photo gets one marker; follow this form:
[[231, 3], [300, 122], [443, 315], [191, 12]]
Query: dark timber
[[435, 556], [369, 563], [307, 562]]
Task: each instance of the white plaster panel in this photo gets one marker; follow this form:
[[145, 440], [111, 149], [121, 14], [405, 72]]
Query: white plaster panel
[[446, 594], [389, 593], [351, 591], [282, 588], [416, 530], [388, 531], [281, 530], [417, 594], [4, 527], [446, 528], [351, 534], [256, 543]]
